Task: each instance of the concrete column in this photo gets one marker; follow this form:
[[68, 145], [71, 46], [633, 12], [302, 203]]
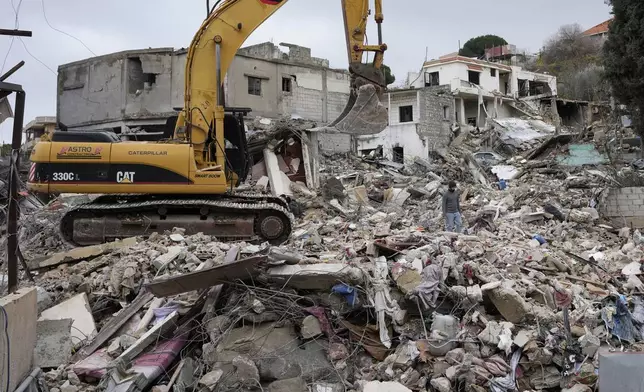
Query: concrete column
[[325, 98], [555, 114], [462, 119]]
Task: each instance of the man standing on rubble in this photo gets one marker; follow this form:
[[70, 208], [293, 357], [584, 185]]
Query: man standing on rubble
[[452, 208]]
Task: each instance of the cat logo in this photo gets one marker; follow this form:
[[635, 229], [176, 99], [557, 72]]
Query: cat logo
[[125, 177]]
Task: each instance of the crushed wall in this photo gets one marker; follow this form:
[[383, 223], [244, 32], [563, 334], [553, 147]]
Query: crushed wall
[[624, 206], [142, 87]]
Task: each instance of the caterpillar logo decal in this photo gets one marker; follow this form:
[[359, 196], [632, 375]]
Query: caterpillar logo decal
[[125, 177], [271, 2]]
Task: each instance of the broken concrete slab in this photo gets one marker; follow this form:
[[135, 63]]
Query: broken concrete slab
[[54, 344], [210, 380], [315, 276], [144, 341], [21, 311], [384, 386], [524, 336], [76, 308], [276, 177], [509, 303], [242, 269], [262, 183], [296, 384], [113, 325], [310, 327], [344, 211], [168, 257], [84, 253]]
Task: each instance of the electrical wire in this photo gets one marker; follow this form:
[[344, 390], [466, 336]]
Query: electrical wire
[[36, 58], [16, 24], [60, 31], [7, 55]]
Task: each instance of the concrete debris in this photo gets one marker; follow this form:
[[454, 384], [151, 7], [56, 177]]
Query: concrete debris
[[387, 386], [369, 293], [54, 344], [310, 327], [77, 309]]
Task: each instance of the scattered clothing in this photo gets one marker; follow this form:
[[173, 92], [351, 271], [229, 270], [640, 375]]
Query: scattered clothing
[[428, 289]]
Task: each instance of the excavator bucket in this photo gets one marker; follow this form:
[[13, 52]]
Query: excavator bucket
[[364, 114]]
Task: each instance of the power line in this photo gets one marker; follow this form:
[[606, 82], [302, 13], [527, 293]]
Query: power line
[[60, 31], [16, 10], [7, 55], [36, 58], [16, 24]]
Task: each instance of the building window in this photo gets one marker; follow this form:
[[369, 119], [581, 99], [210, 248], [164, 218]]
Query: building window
[[445, 112], [474, 77], [431, 79], [406, 113], [287, 85], [254, 86], [399, 154], [493, 72]]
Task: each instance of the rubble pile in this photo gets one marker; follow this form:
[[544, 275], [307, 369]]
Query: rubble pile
[[369, 293]]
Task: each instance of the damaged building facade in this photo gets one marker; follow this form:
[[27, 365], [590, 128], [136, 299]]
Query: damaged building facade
[[141, 89], [453, 92]]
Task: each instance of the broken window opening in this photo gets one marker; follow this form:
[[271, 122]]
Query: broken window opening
[[254, 86], [493, 72], [523, 88], [150, 78], [406, 113], [398, 155], [471, 121], [474, 77], [445, 112], [432, 79], [287, 85], [135, 77]]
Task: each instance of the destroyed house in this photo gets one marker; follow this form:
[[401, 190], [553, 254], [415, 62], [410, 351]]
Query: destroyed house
[[454, 92], [134, 93]]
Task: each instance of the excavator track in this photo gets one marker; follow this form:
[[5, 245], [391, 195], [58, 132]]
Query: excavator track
[[248, 217]]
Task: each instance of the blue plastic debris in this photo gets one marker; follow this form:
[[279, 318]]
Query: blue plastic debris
[[539, 238], [348, 292]]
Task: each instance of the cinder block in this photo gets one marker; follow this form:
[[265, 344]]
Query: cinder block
[[624, 191], [22, 313]]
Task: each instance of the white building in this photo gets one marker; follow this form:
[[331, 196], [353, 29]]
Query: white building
[[456, 90], [496, 86]]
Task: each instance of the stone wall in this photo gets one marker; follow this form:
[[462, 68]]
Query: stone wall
[[437, 115], [624, 206], [335, 142]]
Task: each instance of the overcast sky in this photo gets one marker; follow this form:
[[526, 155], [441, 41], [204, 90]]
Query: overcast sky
[[412, 28]]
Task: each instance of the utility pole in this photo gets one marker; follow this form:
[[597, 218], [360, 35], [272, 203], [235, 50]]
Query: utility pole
[[12, 219]]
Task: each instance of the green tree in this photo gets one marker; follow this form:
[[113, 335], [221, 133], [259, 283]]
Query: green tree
[[475, 47], [624, 57], [576, 62], [389, 77]]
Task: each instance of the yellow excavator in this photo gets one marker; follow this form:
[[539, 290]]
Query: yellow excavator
[[189, 180]]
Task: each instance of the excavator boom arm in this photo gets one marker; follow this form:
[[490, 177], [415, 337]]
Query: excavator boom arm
[[214, 47]]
